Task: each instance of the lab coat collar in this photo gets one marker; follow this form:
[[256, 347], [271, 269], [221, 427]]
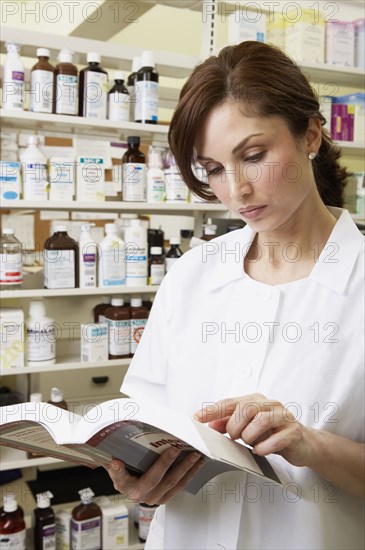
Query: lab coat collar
[[332, 269]]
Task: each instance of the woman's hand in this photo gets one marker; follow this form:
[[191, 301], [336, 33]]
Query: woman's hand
[[161, 482]]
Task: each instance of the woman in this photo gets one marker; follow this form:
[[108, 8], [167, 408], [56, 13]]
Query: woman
[[260, 332]]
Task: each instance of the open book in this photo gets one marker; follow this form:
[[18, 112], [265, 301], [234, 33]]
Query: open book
[[134, 432]]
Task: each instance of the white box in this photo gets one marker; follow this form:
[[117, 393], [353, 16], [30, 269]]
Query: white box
[[275, 30], [359, 29], [305, 36], [340, 43], [242, 27], [90, 179], [94, 342], [11, 338], [63, 529], [115, 523], [61, 179], [9, 181]]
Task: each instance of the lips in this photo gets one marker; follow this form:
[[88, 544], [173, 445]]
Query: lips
[[251, 212]]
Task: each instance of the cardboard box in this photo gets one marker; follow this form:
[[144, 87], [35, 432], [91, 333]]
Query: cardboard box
[[10, 181], [115, 524], [305, 36], [242, 27], [61, 179], [11, 338], [90, 179], [340, 43], [359, 55], [94, 342]]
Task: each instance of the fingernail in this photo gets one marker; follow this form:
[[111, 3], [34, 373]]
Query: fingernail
[[115, 466], [194, 458], [174, 453]]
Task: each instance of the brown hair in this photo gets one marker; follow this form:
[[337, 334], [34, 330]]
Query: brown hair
[[267, 82]]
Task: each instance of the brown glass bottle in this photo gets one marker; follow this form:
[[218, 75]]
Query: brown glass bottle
[[42, 83], [139, 315], [12, 525], [84, 535], [134, 171], [146, 108], [119, 329], [93, 89], [209, 231], [156, 266], [66, 92], [61, 260], [44, 523], [100, 309]]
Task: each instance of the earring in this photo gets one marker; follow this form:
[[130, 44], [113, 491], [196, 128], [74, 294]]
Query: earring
[[312, 155]]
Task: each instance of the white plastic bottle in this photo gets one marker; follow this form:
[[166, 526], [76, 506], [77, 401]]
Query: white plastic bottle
[[40, 336], [87, 258], [156, 188], [176, 188], [13, 79], [112, 269], [136, 254], [34, 172]]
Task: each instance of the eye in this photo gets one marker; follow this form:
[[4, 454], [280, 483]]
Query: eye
[[255, 158], [213, 171]]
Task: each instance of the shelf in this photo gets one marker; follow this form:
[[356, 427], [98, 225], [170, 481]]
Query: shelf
[[14, 458], [115, 206], [69, 292], [351, 147], [66, 364]]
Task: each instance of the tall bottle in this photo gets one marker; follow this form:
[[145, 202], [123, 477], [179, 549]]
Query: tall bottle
[[44, 523], [12, 524], [93, 90], [174, 253], [118, 99], [40, 336], [136, 254], [156, 188], [156, 266], [34, 172], [117, 317], [87, 258], [134, 173], [42, 83], [86, 520], [57, 399], [13, 79], [132, 86], [176, 188], [112, 269], [60, 260], [146, 107], [66, 93], [139, 315], [11, 265], [100, 309]]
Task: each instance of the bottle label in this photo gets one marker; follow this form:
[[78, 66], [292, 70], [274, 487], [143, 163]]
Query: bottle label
[[13, 541], [41, 92], [35, 180], [170, 262], [136, 264], [145, 518], [176, 188], [59, 269], [88, 270], [49, 537], [41, 342], [67, 91], [13, 89], [119, 335], [95, 95], [156, 188], [146, 107], [137, 328], [157, 273], [134, 181], [11, 272], [112, 267], [119, 107], [86, 534]]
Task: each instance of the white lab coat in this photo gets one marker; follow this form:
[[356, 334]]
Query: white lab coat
[[215, 333]]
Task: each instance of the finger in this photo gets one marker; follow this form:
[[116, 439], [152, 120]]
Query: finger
[[154, 475], [122, 480], [226, 407], [278, 441], [262, 423], [184, 481], [259, 416], [219, 425]]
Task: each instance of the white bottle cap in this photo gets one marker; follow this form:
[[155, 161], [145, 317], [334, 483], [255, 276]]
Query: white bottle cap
[[136, 302], [60, 228], [156, 250], [175, 240], [65, 56], [86, 495], [8, 231], [135, 222], [35, 397], [56, 395], [44, 499], [106, 299], [12, 47], [111, 228], [37, 309], [42, 52], [119, 75], [148, 59], [137, 64], [154, 159], [32, 140], [9, 502], [117, 302], [93, 57]]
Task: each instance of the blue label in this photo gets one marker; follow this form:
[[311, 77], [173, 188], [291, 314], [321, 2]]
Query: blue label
[[10, 195]]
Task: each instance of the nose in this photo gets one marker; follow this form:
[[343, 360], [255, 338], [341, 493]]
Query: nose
[[237, 181]]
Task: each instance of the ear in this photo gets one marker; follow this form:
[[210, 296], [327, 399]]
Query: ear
[[314, 135]]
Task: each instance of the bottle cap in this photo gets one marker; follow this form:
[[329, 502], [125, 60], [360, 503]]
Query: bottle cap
[[156, 250], [111, 228], [117, 302], [93, 57], [8, 231], [209, 227], [148, 59], [32, 140], [154, 159], [135, 222], [60, 229], [119, 75], [37, 309], [35, 397], [56, 395], [106, 300], [86, 226], [86, 495], [12, 47], [136, 302], [9, 502], [65, 56], [175, 240], [137, 64], [133, 140], [42, 52], [44, 499], [186, 233]]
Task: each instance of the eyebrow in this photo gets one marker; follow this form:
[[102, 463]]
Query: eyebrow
[[239, 146]]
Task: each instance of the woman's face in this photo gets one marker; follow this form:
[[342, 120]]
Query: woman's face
[[255, 167]]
